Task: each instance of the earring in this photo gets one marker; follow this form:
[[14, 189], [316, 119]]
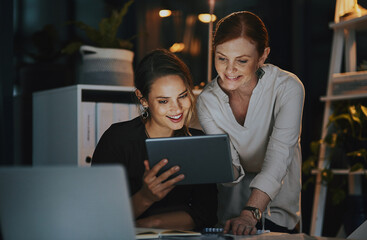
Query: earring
[[145, 113], [260, 73]]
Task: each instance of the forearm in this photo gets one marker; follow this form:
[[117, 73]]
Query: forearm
[[258, 199], [173, 220], [139, 204]]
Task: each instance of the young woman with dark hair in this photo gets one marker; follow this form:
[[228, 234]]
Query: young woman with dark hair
[[164, 90]]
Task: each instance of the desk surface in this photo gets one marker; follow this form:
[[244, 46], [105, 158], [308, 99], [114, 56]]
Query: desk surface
[[283, 236], [266, 236]]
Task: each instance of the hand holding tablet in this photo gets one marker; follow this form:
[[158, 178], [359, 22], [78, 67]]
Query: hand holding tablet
[[156, 183]]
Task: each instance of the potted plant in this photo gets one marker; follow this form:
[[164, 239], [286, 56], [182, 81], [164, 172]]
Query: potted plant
[[346, 143], [109, 60], [42, 67], [346, 150]]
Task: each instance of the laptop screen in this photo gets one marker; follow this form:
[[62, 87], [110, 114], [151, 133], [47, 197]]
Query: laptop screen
[[65, 202]]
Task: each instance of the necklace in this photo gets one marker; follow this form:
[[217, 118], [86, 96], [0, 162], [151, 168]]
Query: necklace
[[146, 132]]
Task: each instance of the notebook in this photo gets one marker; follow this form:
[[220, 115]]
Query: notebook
[[81, 203], [155, 233], [202, 159]]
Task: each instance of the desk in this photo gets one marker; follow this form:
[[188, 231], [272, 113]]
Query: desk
[[266, 236], [283, 236]]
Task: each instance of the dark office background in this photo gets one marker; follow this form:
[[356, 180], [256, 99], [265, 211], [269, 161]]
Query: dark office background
[[300, 42]]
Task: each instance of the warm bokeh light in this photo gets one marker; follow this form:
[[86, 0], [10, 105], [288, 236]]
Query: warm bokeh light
[[177, 47], [165, 13], [205, 17]]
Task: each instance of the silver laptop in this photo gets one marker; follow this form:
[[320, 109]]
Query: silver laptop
[[202, 159], [80, 203]]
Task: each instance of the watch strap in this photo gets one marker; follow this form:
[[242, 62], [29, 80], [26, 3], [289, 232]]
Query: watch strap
[[255, 212]]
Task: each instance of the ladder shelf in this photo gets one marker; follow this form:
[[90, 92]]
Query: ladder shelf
[[351, 84]]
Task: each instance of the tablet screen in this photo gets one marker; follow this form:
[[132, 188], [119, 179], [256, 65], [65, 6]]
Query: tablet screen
[[202, 159]]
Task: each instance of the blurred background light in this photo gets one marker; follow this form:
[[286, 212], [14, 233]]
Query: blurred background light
[[165, 13], [177, 47], [205, 17]]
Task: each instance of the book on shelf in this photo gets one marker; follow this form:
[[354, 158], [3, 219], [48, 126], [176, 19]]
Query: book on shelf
[[104, 118], [148, 233], [88, 137], [133, 111], [121, 112]]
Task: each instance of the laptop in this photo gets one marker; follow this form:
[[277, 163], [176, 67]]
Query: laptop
[[202, 159], [65, 202]]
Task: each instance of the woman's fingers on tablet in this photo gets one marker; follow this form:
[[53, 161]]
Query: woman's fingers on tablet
[[146, 166], [165, 175], [160, 188], [167, 186], [174, 180], [149, 175], [152, 174], [155, 169]]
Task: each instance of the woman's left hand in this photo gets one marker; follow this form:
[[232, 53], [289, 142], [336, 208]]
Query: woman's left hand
[[245, 224]]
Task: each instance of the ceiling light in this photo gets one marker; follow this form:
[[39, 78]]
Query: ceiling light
[[177, 47], [205, 17], [165, 13]]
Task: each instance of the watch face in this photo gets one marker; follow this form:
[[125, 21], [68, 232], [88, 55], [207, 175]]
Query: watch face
[[257, 214]]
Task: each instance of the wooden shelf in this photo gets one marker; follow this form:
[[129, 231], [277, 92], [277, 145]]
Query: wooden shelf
[[343, 97], [358, 23], [349, 76], [341, 171], [349, 85]]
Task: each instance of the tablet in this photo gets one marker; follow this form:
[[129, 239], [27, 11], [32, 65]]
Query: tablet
[[202, 159]]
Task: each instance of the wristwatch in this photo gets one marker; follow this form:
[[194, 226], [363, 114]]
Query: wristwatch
[[255, 212]]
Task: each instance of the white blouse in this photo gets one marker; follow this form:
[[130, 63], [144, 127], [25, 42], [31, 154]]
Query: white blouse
[[267, 146]]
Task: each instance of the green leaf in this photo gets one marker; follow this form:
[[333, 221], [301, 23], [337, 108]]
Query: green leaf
[[345, 116], [356, 167], [108, 27], [359, 153], [335, 119], [315, 147], [327, 175], [338, 195], [106, 35], [125, 44], [309, 164], [353, 111], [364, 111], [309, 181], [331, 139], [91, 33], [362, 115], [71, 48], [46, 44]]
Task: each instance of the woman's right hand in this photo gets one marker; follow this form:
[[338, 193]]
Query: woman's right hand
[[156, 187]]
